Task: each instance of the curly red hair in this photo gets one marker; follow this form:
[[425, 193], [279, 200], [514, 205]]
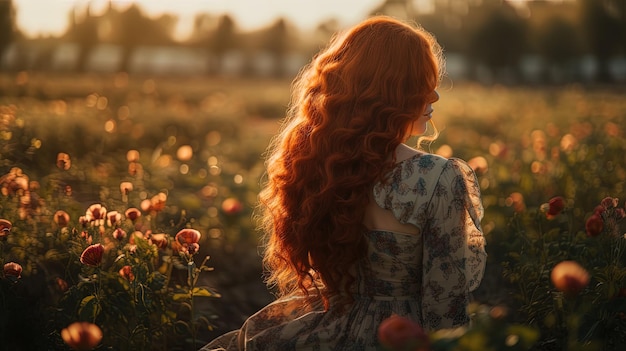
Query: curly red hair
[[351, 107]]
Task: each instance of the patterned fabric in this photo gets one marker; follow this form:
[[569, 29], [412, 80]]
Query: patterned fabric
[[426, 277]]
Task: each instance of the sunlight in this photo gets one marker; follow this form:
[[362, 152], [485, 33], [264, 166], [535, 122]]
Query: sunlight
[[37, 18]]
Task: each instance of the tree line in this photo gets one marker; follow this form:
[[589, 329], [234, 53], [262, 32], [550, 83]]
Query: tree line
[[493, 34]]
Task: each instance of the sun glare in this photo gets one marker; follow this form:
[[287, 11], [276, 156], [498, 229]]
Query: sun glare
[[35, 17]]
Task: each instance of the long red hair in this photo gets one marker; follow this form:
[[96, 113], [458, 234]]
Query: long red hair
[[351, 107]]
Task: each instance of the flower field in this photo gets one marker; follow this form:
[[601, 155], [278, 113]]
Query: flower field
[[127, 210]]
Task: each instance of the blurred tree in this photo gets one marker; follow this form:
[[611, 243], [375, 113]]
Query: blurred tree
[[83, 31], [7, 26], [500, 40], [558, 43], [134, 29], [277, 44], [223, 40], [604, 22]]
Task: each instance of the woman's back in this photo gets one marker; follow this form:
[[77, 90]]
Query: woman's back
[[406, 274]]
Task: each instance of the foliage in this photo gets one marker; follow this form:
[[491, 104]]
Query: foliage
[[125, 142]]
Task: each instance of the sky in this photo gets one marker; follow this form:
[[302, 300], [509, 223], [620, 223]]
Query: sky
[[50, 17]]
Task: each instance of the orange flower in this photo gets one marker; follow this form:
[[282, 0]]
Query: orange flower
[[400, 333], [61, 218], [92, 255], [516, 200], [132, 156], [132, 214], [188, 236], [63, 161], [594, 225], [5, 227], [159, 240], [157, 202], [127, 273], [12, 270], [82, 335], [126, 187], [231, 206], [569, 277]]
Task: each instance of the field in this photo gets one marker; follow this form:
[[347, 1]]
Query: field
[[192, 151]]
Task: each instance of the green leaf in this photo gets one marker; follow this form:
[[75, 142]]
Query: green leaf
[[89, 308]]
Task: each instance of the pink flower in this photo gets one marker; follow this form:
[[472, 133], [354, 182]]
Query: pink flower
[[82, 335], [569, 277], [594, 225], [92, 255], [12, 270], [400, 333], [188, 236]]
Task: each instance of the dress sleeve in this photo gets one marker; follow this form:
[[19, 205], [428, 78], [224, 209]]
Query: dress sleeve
[[454, 247]]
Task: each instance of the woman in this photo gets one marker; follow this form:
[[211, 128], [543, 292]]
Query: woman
[[359, 225]]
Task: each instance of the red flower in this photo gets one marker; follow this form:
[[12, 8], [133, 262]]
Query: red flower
[[82, 335], [127, 273], [569, 277], [5, 227], [609, 202], [594, 225], [188, 236], [92, 256], [555, 206], [400, 333], [12, 270]]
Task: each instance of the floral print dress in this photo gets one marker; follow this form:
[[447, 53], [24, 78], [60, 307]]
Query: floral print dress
[[427, 277]]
